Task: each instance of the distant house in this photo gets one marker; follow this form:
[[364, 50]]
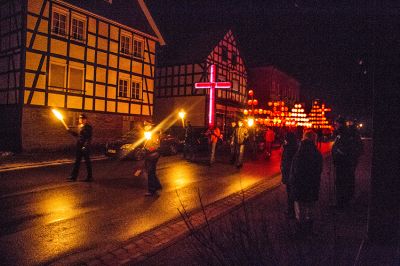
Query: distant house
[[272, 84], [183, 63], [94, 56]]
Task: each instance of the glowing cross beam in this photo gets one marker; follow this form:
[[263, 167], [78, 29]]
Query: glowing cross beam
[[212, 85]]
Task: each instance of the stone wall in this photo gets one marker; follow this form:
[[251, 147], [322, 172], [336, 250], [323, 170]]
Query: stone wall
[[42, 131]]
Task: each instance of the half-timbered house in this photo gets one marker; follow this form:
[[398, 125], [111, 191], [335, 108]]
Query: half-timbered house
[[185, 62], [95, 56]]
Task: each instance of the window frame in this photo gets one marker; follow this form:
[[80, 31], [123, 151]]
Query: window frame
[[136, 54], [224, 54], [125, 35], [51, 74], [80, 19], [69, 79], [60, 11], [133, 89], [127, 88]]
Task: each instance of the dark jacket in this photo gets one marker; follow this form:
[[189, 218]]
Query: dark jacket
[[289, 150], [306, 171], [347, 147], [189, 135], [84, 137]]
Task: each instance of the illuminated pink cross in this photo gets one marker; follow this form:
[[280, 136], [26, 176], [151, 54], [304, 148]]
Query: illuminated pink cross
[[212, 85]]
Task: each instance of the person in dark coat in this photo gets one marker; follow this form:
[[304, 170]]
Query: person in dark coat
[[305, 180], [346, 150], [240, 136], [189, 147], [152, 147], [290, 147], [232, 145], [84, 139]]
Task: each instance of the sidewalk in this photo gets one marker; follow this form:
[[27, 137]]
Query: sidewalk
[[258, 233], [12, 162]]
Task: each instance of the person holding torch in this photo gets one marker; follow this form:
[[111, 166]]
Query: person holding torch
[[84, 138], [151, 147]]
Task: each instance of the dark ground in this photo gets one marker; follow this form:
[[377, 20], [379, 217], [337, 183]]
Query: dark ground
[[267, 237]]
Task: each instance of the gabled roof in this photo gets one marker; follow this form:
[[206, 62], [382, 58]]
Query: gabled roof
[[188, 48], [131, 13]]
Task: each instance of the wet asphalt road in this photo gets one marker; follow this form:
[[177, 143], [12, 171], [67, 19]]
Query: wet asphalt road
[[47, 220]]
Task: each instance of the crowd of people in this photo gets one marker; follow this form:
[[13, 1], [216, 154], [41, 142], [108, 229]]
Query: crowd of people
[[301, 161]]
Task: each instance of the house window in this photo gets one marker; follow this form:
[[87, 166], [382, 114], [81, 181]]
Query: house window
[[135, 90], [138, 48], [123, 88], [76, 79], [234, 59], [125, 44], [57, 76], [78, 29], [224, 53], [59, 23]]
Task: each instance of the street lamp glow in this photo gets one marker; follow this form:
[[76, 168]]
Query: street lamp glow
[[360, 125], [250, 122]]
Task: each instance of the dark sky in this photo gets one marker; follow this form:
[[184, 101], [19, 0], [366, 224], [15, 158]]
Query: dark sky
[[327, 47]]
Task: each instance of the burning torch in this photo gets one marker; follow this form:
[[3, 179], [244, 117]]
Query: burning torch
[[182, 116], [60, 117]]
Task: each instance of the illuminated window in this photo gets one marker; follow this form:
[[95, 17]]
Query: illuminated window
[[78, 29], [136, 90], [224, 53], [125, 44], [57, 75], [138, 48], [123, 88], [76, 79], [59, 25]]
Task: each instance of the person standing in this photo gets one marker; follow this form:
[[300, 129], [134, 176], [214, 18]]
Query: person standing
[[290, 147], [152, 146], [214, 134], [269, 140], [84, 139], [188, 149], [232, 145], [345, 153], [240, 135], [305, 181]]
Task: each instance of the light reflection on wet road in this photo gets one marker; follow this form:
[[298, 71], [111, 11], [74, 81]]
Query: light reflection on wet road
[[46, 219]]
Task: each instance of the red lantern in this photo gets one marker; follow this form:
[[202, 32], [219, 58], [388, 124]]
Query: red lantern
[[256, 111], [251, 92], [260, 111], [245, 112], [249, 102], [269, 103], [255, 102]]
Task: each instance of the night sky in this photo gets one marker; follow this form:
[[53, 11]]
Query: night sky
[[327, 47]]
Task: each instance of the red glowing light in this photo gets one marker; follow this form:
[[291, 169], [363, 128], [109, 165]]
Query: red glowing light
[[251, 92]]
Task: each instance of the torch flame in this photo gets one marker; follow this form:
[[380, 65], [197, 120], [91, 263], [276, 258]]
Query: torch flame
[[147, 135], [57, 114], [60, 117]]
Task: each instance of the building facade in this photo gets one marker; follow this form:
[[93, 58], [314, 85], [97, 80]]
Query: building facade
[[271, 84], [181, 67], [96, 57]]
